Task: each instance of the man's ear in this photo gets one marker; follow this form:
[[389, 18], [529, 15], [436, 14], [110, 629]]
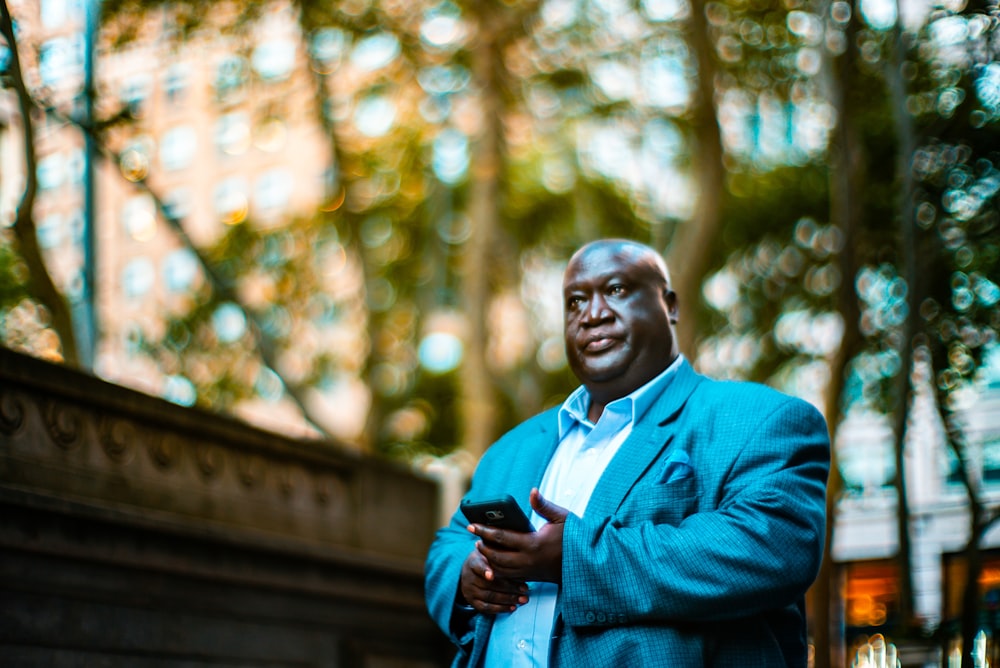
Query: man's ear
[[672, 304]]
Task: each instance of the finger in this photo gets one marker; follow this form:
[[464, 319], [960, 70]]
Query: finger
[[545, 508], [492, 608], [486, 574], [484, 604], [495, 601], [494, 555], [511, 589], [504, 565], [487, 569], [497, 537], [489, 601]]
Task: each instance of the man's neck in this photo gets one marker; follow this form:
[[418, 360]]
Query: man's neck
[[599, 400]]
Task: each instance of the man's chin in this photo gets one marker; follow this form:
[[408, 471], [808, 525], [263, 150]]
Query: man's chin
[[600, 373]]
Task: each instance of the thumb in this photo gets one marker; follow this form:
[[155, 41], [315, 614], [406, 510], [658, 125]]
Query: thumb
[[548, 510]]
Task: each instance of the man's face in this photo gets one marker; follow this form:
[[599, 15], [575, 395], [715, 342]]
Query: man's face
[[619, 315]]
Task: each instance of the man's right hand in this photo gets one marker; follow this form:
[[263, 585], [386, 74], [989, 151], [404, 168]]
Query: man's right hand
[[485, 592]]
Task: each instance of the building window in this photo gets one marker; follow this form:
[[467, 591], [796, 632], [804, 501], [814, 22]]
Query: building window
[[872, 595], [175, 83], [232, 200], [138, 277], [866, 455], [180, 269], [177, 204], [75, 227], [178, 148], [230, 79], [51, 231], [57, 13], [273, 60], [51, 171], [60, 61], [273, 191], [76, 164], [139, 217], [991, 462], [135, 93], [232, 133]]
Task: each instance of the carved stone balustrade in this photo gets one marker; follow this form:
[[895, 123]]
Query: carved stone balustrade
[[134, 532]]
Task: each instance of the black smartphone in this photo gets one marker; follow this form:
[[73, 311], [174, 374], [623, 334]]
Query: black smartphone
[[503, 513]]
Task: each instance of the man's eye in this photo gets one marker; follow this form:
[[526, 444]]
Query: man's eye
[[616, 290]]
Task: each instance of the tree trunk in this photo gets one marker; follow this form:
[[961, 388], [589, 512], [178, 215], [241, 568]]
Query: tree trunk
[[906, 148], [691, 244], [970, 593], [41, 283], [477, 405], [847, 176], [980, 521]]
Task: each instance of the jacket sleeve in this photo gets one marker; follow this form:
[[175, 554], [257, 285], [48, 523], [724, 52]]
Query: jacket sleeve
[[442, 572], [512, 465], [754, 543]]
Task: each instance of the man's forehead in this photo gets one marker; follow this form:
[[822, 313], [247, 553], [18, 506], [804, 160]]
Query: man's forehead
[[603, 262]]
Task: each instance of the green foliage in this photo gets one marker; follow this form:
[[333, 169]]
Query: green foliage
[[13, 273], [779, 272], [400, 212], [960, 248], [280, 275]]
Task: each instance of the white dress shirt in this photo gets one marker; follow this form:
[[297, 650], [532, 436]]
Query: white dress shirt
[[520, 639]]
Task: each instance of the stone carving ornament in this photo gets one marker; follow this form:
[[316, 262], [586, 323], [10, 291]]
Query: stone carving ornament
[[11, 413], [117, 439], [64, 424]]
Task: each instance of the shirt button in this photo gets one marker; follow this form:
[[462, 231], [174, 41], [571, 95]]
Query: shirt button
[[521, 644]]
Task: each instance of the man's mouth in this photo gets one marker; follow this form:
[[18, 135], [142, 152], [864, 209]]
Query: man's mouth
[[599, 344]]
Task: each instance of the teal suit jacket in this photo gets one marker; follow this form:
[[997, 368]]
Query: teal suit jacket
[[698, 543]]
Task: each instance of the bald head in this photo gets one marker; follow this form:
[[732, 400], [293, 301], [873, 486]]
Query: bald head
[[629, 250]]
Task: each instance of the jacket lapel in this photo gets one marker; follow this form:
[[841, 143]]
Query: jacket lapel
[[533, 458], [650, 436]]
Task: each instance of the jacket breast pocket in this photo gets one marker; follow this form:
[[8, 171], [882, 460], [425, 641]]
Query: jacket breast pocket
[[660, 503]]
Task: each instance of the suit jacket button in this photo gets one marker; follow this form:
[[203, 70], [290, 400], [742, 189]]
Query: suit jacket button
[[601, 618], [591, 617]]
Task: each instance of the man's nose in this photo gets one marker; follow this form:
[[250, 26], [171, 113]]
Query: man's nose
[[597, 309]]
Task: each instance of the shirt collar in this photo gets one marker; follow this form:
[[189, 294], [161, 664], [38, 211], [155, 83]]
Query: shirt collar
[[574, 409]]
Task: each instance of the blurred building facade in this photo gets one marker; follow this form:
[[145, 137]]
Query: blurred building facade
[[213, 130], [866, 543]]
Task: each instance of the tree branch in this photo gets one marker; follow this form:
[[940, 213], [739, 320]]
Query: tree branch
[[41, 285]]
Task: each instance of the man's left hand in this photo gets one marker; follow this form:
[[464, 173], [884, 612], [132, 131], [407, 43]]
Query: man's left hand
[[535, 556]]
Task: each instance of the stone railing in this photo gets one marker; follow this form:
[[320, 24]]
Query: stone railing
[[136, 532]]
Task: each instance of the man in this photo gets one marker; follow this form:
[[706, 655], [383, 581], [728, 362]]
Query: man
[[679, 520]]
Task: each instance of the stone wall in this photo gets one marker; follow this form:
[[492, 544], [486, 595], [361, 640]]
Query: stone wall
[[134, 532]]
